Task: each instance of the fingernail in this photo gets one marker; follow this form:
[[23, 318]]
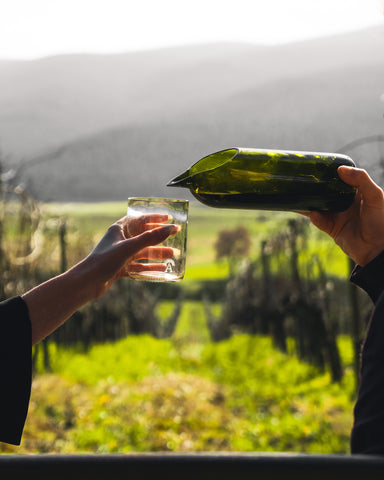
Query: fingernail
[[172, 229], [347, 169]]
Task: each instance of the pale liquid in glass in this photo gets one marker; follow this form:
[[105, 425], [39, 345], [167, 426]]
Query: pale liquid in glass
[[175, 266]]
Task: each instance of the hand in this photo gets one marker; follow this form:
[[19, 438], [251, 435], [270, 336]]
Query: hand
[[51, 303], [125, 244], [359, 231]]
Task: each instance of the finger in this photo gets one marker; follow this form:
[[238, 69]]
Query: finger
[[145, 267], [151, 226], [323, 221], [154, 253], [138, 225], [151, 218], [133, 245], [359, 178]]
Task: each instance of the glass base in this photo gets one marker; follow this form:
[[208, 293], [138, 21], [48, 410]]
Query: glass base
[[156, 276]]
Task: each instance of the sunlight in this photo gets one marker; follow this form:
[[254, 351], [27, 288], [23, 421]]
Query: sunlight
[[50, 27]]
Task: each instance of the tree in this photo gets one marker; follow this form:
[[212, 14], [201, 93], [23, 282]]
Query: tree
[[233, 245]]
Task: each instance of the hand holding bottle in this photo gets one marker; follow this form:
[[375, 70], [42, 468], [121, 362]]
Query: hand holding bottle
[[359, 231]]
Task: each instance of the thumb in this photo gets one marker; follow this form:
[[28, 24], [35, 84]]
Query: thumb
[[149, 237], [359, 178]]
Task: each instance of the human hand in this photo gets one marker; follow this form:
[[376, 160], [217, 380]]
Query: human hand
[[126, 243], [51, 303], [359, 231]]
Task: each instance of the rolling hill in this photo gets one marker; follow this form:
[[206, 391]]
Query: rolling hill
[[91, 128]]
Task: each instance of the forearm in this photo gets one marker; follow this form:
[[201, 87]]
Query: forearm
[[369, 412], [53, 302], [367, 433]]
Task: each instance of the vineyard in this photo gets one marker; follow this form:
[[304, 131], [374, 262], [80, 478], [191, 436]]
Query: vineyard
[[252, 351]]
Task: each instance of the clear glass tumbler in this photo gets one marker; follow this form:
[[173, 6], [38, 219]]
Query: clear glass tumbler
[[172, 211]]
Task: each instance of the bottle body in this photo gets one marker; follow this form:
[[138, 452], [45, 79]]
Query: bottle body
[[269, 180]]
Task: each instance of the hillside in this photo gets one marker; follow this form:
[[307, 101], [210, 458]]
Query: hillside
[[91, 127]]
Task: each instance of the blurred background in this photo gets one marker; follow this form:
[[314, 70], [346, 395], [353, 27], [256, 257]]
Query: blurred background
[[257, 349], [100, 100]]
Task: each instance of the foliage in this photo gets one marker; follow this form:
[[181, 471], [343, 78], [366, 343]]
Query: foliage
[[144, 394], [233, 245], [86, 223], [181, 393]]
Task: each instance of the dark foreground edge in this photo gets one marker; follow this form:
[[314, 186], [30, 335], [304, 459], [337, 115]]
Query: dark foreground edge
[[196, 466]]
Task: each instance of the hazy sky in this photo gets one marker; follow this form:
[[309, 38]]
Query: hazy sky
[[35, 28]]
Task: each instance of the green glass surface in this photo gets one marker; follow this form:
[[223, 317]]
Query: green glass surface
[[269, 180]]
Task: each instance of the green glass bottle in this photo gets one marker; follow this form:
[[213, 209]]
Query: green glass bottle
[[269, 180]]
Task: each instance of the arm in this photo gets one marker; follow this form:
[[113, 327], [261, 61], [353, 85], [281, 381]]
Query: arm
[[16, 368], [359, 231], [40, 311], [367, 433], [53, 302]]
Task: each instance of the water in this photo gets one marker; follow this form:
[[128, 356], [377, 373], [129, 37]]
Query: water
[[156, 276]]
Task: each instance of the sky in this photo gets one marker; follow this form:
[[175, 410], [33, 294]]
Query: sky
[[31, 29]]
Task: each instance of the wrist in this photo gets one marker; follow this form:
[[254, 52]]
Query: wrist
[[369, 277], [94, 276], [84, 277], [369, 257]]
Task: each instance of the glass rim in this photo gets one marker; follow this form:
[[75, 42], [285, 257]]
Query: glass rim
[[159, 199]]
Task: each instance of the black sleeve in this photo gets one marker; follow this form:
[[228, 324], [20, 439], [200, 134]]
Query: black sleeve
[[15, 368], [368, 428]]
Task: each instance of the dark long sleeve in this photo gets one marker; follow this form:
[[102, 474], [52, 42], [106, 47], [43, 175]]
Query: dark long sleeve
[[15, 368], [368, 429]]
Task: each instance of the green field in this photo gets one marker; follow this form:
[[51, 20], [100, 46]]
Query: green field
[[142, 394], [186, 393], [90, 220]]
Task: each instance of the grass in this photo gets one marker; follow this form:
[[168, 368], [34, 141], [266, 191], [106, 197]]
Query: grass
[[186, 393], [142, 394]]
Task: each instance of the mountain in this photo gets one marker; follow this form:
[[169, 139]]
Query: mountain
[[103, 127]]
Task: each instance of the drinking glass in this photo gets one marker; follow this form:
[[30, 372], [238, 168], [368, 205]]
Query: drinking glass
[[154, 267]]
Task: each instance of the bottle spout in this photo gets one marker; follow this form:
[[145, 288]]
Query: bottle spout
[[206, 164], [180, 180]]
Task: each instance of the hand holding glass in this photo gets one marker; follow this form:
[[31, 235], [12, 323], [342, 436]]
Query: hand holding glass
[[164, 262]]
